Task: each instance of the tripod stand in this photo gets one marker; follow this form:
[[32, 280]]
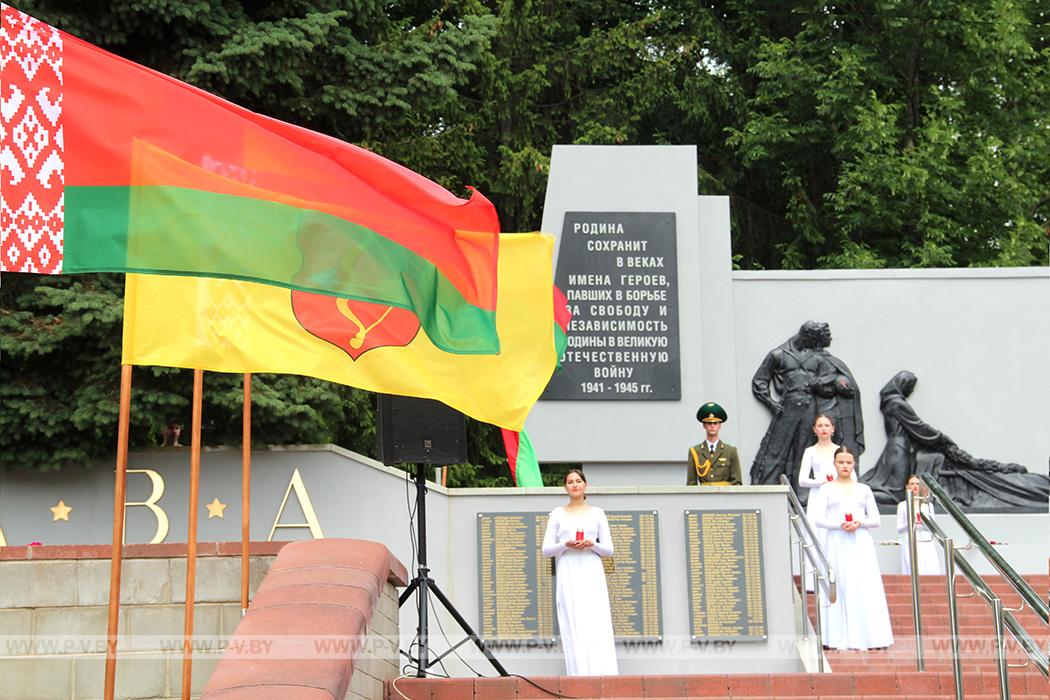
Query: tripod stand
[[422, 584]]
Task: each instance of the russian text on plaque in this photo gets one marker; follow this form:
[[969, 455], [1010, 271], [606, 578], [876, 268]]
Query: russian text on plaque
[[515, 587], [619, 272], [633, 578], [727, 598], [516, 592]]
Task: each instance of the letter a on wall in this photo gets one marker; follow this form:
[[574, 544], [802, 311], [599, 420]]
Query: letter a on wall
[[297, 485]]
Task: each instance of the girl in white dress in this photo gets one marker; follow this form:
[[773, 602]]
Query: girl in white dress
[[578, 536], [818, 464], [926, 549], [859, 618]]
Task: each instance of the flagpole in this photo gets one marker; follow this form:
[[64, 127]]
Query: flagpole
[[246, 487], [119, 487], [191, 535]]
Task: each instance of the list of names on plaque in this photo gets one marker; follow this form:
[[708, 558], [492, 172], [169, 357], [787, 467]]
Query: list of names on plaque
[[619, 271], [514, 580], [724, 562], [634, 581], [516, 590]]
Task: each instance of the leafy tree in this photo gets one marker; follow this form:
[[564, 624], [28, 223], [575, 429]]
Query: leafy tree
[[60, 385], [892, 133], [873, 134]]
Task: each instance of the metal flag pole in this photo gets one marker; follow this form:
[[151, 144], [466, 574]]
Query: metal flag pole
[[246, 488], [119, 492], [191, 535]]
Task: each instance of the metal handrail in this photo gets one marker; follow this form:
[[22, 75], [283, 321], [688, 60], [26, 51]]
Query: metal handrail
[[823, 574], [916, 609], [1020, 586], [1004, 619], [827, 581]]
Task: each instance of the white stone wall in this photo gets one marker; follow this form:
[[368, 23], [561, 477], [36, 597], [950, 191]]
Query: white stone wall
[[53, 623]]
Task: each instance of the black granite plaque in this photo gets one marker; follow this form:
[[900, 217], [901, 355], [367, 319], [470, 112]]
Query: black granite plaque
[[516, 592], [634, 576], [619, 272], [727, 598], [515, 589]]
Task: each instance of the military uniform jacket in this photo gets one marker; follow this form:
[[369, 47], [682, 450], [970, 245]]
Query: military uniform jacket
[[721, 467]]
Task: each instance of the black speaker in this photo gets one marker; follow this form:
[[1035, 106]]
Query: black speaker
[[419, 431]]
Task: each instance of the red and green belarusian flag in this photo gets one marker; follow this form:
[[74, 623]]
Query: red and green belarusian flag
[[521, 457], [110, 166]]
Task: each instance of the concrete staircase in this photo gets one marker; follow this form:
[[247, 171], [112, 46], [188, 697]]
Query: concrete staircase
[[872, 675]]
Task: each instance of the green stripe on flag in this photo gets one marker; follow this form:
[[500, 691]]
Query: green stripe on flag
[[527, 469], [181, 231]]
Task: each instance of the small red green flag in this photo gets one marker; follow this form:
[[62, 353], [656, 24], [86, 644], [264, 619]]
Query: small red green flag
[[524, 467]]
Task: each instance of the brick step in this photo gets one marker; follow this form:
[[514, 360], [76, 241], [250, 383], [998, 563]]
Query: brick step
[[967, 628], [981, 621], [940, 609], [941, 597], [908, 664], [940, 601], [966, 620], [935, 648], [995, 582], [899, 684], [1027, 621], [904, 652], [907, 656], [1035, 582], [942, 629], [963, 598], [1032, 579], [1031, 623], [963, 585], [934, 610]]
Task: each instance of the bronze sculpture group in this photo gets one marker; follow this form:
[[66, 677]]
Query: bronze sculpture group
[[799, 380]]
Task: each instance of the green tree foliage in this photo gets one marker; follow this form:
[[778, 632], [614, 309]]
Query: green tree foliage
[[60, 385], [878, 133], [900, 133]]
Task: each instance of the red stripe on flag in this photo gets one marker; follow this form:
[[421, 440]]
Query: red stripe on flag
[[510, 444]]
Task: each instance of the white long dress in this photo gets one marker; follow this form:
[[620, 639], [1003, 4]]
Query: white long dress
[[813, 474], [859, 618], [928, 552], [584, 617]]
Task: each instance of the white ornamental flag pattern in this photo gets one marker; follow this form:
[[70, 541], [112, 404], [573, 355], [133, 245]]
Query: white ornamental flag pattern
[[32, 177]]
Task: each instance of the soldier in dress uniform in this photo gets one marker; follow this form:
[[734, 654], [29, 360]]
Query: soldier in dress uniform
[[713, 462]]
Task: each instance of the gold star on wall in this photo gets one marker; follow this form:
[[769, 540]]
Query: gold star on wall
[[60, 512], [215, 509]]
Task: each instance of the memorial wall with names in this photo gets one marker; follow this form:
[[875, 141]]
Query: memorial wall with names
[[517, 592], [725, 570]]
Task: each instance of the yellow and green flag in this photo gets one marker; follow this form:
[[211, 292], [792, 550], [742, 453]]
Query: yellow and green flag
[[233, 326]]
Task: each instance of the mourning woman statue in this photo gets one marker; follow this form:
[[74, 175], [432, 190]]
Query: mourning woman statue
[[915, 446]]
